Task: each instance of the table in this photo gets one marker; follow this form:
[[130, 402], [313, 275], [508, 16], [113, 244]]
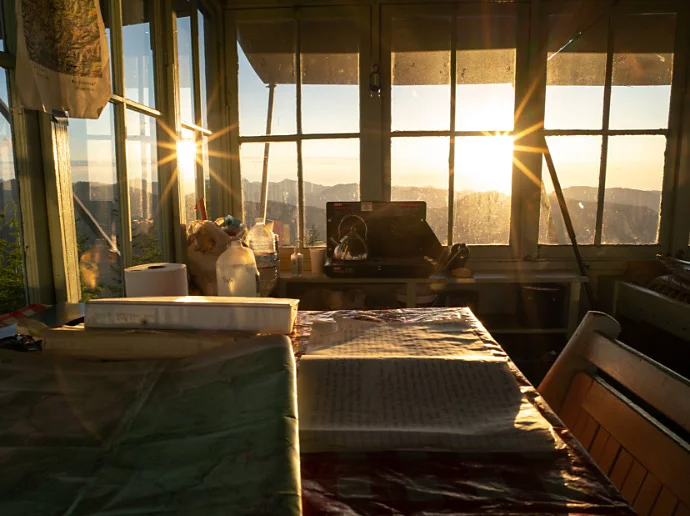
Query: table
[[565, 481]]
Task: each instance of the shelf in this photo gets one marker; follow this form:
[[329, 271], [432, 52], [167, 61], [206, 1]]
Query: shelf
[[478, 278]]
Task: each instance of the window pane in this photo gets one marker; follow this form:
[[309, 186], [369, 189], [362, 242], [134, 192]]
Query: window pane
[[185, 68], [485, 73], [137, 40], [202, 68], [419, 172], [331, 173], [575, 75], [578, 161], [330, 76], [483, 181], [282, 186], [96, 205], [420, 61], [266, 54], [634, 179], [642, 71], [144, 189], [186, 162], [12, 289]]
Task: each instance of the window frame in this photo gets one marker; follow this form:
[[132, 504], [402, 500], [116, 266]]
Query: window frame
[[195, 126], [511, 250], [668, 223], [356, 14]]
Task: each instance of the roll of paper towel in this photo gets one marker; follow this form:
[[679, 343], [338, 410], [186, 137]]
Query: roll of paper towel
[[156, 279]]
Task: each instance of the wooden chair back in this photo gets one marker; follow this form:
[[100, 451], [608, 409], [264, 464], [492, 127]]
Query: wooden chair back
[[631, 414]]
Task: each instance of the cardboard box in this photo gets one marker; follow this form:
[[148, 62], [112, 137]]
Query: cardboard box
[[251, 314]]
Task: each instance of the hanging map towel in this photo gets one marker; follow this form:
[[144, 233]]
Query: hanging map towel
[[63, 62]]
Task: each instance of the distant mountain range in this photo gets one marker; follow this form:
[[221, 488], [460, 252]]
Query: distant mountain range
[[630, 215]]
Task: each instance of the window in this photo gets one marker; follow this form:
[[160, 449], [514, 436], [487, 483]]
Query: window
[[607, 118], [452, 109], [299, 120], [192, 148], [96, 205], [12, 282], [458, 123], [106, 243]]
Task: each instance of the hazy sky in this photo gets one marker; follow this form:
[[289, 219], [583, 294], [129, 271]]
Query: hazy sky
[[482, 163]]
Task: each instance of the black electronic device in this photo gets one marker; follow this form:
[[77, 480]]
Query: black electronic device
[[398, 241]]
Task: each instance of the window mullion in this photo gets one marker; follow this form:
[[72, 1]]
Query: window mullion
[[119, 109], [198, 119], [530, 95], [605, 128], [451, 145], [298, 103]]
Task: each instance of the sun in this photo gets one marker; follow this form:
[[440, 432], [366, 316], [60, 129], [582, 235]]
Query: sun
[[186, 161]]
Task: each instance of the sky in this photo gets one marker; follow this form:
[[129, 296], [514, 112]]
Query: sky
[[482, 163]]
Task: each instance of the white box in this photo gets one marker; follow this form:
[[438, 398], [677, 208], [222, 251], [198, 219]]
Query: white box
[[252, 314]]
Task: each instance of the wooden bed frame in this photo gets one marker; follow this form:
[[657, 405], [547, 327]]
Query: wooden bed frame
[[631, 414], [644, 305]]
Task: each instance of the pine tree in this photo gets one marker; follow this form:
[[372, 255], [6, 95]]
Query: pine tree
[[12, 285]]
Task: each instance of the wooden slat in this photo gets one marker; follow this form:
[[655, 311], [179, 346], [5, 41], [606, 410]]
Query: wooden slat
[[582, 421], [589, 433], [651, 445], [665, 504], [662, 388], [572, 406], [599, 444], [682, 510], [647, 496], [633, 482], [621, 469], [609, 455]]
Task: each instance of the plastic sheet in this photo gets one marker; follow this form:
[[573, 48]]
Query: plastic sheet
[[215, 434], [563, 481]]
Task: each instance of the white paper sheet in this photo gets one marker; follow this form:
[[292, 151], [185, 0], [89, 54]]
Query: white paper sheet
[[351, 338], [380, 386]]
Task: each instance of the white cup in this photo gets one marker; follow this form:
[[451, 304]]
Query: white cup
[[318, 257]]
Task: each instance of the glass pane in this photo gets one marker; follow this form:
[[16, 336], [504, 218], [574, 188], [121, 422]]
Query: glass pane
[[419, 172], [282, 186], [12, 289], [634, 180], [266, 53], [144, 189], [483, 183], [330, 76], [96, 205], [185, 68], [331, 173], [642, 71], [575, 75], [578, 161], [202, 68], [420, 61], [485, 73], [186, 162], [137, 40]]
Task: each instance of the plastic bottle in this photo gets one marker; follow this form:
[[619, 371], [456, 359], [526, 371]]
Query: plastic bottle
[[262, 241], [297, 261], [236, 272]]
